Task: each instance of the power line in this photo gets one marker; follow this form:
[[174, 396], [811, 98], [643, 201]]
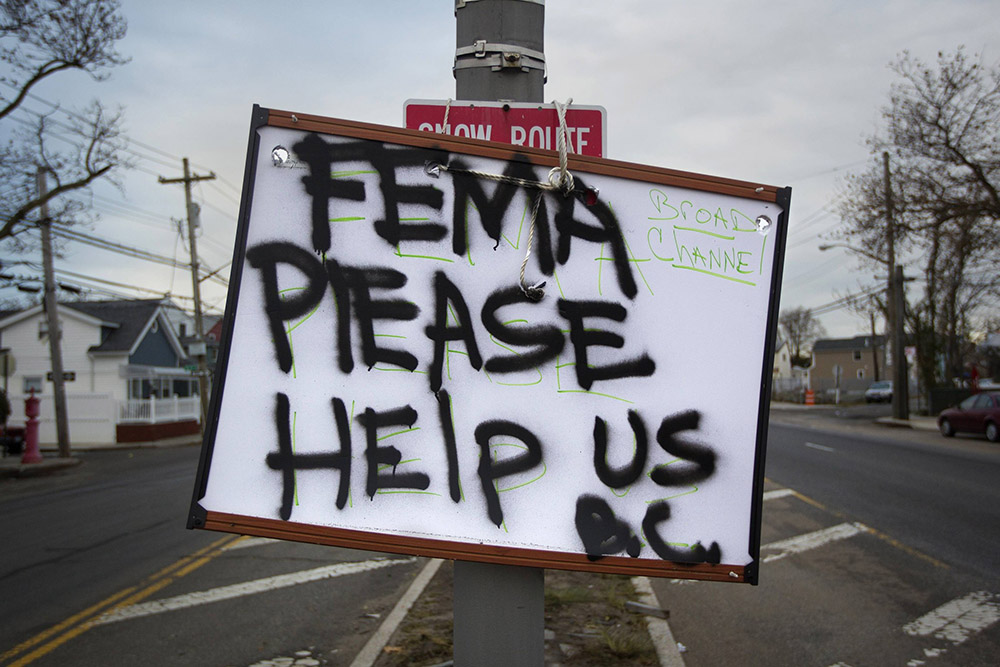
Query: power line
[[113, 283], [845, 301], [104, 244], [127, 148], [148, 147], [826, 172], [130, 251]]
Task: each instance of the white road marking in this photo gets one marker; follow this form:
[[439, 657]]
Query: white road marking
[[959, 619], [247, 588], [778, 493], [373, 647], [822, 448], [251, 542], [800, 543]]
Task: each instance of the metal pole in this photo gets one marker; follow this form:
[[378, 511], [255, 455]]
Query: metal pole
[[499, 53], [499, 610], [52, 319]]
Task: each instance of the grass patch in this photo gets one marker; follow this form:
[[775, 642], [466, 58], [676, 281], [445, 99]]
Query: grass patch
[[626, 641], [559, 597]]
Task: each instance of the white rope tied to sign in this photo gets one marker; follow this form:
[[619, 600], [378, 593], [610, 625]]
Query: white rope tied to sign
[[561, 145], [447, 110], [559, 179]]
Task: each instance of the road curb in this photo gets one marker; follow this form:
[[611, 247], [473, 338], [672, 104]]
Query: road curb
[[659, 630], [17, 469]]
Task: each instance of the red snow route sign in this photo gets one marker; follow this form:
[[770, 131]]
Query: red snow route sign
[[520, 124]]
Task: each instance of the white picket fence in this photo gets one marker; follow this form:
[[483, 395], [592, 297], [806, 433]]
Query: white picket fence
[[91, 417], [789, 384], [159, 410]]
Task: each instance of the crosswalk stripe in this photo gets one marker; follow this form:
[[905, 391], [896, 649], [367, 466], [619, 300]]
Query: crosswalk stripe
[[800, 543], [778, 493], [959, 619]]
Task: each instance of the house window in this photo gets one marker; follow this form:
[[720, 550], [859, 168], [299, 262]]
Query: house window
[[142, 388], [861, 374], [32, 382], [857, 355]]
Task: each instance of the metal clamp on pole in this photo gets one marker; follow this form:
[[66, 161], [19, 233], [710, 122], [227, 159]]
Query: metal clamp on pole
[[498, 57], [462, 3]]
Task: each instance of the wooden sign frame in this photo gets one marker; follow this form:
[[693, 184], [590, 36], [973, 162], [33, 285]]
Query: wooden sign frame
[[214, 490]]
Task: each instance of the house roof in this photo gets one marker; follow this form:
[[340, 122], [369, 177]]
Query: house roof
[[131, 316], [856, 343], [7, 318]]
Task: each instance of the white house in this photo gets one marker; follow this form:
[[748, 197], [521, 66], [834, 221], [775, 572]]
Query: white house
[[784, 375], [123, 366], [782, 361]]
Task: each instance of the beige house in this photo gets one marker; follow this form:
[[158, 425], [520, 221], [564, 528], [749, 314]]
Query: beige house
[[857, 361]]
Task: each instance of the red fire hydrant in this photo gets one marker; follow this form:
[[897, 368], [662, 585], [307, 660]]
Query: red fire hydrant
[[31, 453]]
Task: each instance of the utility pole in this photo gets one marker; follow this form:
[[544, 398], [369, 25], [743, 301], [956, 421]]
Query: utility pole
[[894, 297], [199, 326], [499, 610], [900, 381], [52, 319], [871, 316]]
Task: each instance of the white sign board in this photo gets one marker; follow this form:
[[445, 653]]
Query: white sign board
[[384, 382]]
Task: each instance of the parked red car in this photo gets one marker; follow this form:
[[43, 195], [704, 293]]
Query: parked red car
[[979, 413]]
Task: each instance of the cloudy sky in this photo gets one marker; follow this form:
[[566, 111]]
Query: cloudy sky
[[777, 92]]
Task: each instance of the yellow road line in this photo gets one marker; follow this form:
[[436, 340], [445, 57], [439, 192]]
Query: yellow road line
[[79, 623], [42, 636], [877, 533]]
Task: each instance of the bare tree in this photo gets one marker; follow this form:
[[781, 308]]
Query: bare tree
[[801, 330], [940, 128], [38, 39]]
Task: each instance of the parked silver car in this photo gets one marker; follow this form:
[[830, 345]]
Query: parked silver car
[[879, 392]]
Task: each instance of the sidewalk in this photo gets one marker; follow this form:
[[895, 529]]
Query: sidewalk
[[916, 422], [11, 466]]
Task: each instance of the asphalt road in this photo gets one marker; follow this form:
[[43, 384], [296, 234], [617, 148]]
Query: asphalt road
[[903, 571], [112, 531], [936, 495], [879, 547], [80, 534]]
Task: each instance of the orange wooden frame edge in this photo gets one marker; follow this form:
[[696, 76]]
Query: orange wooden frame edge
[[432, 548], [501, 151]]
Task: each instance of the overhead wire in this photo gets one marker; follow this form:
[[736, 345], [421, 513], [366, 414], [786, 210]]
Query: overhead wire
[[121, 208]]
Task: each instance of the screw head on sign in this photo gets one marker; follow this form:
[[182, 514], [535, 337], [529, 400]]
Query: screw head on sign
[[279, 156], [432, 169]]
